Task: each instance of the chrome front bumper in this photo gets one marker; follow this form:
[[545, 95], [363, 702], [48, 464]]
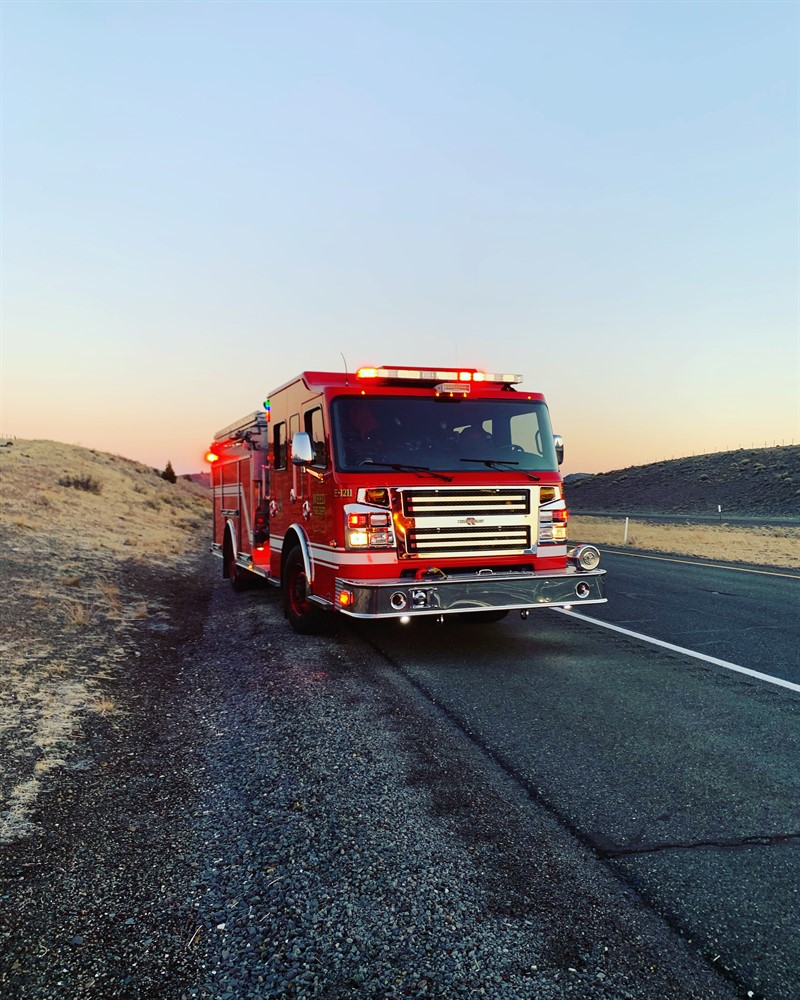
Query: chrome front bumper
[[458, 594]]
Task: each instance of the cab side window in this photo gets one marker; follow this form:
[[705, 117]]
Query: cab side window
[[316, 431], [279, 445]]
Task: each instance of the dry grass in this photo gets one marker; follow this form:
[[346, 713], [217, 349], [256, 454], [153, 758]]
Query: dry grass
[[761, 546], [130, 494], [68, 614]]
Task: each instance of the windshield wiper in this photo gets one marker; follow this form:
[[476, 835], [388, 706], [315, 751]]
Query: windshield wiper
[[493, 463], [397, 467]]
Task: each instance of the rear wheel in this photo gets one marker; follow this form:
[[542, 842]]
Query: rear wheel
[[304, 616]]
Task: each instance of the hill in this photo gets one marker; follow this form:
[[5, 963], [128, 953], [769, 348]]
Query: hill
[[755, 481], [88, 539], [201, 478]]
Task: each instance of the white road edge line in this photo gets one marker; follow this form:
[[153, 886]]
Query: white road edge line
[[682, 649]]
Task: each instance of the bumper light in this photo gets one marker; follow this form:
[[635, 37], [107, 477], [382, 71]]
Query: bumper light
[[583, 590]]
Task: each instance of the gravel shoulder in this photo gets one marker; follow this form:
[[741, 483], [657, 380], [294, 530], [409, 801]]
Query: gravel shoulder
[[267, 815]]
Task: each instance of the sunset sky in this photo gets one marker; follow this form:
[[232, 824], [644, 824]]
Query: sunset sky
[[200, 200]]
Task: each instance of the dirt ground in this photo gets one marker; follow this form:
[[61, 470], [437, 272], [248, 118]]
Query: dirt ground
[[104, 587]]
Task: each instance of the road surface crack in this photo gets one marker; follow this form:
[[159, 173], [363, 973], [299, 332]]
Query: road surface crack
[[736, 843]]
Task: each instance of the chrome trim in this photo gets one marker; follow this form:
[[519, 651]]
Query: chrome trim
[[471, 592]]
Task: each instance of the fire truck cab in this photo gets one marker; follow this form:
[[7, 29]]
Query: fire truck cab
[[399, 493]]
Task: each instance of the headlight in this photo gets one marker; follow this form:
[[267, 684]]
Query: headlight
[[365, 529]]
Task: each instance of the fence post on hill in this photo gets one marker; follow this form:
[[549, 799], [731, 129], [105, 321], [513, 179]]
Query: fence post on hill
[[625, 539]]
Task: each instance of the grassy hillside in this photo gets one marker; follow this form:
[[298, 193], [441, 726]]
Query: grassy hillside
[[95, 501], [82, 532], [757, 481]]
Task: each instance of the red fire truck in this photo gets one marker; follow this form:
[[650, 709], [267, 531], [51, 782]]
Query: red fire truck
[[399, 493]]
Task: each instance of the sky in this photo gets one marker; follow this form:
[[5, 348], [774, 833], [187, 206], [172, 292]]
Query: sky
[[201, 200]]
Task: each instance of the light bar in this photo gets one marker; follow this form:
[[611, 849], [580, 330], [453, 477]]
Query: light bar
[[431, 375]]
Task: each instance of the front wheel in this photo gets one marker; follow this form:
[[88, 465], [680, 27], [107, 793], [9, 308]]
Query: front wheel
[[304, 616]]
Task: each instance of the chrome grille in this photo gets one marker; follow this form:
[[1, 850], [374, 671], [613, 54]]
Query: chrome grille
[[467, 521], [464, 502]]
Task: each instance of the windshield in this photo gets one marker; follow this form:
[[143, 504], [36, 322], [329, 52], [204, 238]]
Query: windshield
[[442, 434]]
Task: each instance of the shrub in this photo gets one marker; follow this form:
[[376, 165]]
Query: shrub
[[86, 483], [169, 473]]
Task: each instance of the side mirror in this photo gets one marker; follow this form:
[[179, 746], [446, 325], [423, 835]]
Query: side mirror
[[302, 449], [558, 442]]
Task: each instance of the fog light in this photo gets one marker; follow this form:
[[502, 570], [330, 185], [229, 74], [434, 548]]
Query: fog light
[[398, 600], [583, 590], [405, 620], [585, 557]]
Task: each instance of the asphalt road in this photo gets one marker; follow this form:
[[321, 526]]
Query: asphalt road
[[749, 618], [681, 775]]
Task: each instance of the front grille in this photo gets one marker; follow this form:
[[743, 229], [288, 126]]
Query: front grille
[[468, 521], [465, 502], [500, 539]]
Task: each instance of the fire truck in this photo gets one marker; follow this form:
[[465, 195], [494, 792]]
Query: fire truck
[[399, 493]]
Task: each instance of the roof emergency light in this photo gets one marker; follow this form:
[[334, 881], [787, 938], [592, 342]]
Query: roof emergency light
[[434, 376], [452, 388]]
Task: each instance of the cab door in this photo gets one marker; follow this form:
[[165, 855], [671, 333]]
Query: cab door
[[280, 483]]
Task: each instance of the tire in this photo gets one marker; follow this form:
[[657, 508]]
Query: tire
[[483, 617], [235, 574], [304, 616]]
